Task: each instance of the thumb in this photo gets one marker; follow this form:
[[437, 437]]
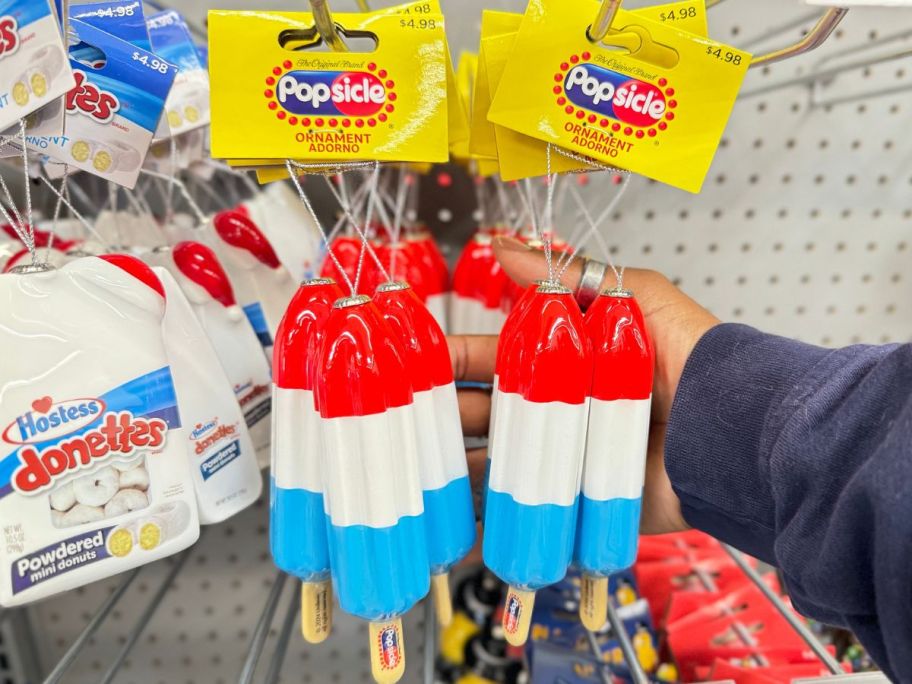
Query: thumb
[[525, 264]]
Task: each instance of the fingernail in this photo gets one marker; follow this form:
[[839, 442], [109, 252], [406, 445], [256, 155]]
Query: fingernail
[[510, 244]]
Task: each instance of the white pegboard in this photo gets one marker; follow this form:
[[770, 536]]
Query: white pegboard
[[803, 229]]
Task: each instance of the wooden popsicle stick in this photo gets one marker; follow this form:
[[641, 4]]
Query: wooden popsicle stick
[[387, 649], [593, 610], [316, 610], [517, 616], [443, 603]]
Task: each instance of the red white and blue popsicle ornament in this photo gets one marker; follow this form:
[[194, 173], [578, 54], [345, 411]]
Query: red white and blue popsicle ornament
[[297, 520], [372, 485], [615, 462], [448, 509], [537, 450]]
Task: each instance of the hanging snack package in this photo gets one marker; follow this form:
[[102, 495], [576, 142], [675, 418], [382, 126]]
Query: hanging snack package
[[278, 100], [34, 70], [112, 111], [657, 107], [205, 284], [522, 156], [188, 103], [262, 283], [94, 478], [221, 455]]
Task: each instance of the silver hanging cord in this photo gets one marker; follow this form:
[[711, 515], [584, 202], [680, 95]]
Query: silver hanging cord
[[79, 217], [304, 199]]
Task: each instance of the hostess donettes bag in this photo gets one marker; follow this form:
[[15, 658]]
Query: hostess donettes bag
[[94, 477]]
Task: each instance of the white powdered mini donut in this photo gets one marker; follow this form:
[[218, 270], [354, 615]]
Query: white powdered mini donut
[[57, 518], [137, 478], [81, 514], [128, 465], [98, 488], [124, 501], [63, 498]]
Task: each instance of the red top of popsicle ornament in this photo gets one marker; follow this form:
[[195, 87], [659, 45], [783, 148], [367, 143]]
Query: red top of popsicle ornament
[[360, 369], [548, 356], [199, 263], [427, 357], [624, 357], [238, 230], [299, 333], [426, 251]]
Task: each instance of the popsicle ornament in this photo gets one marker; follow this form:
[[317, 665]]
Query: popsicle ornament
[[297, 521], [615, 462], [372, 485], [537, 450], [448, 508]]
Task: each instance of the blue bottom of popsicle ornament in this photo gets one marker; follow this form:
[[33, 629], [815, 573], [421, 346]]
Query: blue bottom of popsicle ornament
[[607, 535], [297, 532], [528, 547], [450, 520], [379, 573]]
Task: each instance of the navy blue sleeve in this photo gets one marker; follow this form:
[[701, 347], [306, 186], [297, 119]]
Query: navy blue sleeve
[[802, 457]]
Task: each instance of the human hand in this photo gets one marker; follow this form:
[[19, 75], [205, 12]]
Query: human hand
[[675, 323]]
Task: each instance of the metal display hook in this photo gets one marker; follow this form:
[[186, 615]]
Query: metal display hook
[[814, 38], [326, 27]]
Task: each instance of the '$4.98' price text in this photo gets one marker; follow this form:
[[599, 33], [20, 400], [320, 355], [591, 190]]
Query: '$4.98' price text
[[418, 23], [154, 63], [726, 56]]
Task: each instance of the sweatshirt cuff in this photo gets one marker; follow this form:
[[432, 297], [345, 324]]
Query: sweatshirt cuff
[[724, 417]]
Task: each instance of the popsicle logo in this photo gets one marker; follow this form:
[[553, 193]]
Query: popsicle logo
[[118, 434], [88, 99], [598, 97], [48, 420], [9, 36], [315, 98], [389, 647], [513, 612]]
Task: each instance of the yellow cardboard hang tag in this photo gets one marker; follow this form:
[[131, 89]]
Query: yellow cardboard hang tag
[[271, 101], [521, 156], [465, 84], [658, 110]]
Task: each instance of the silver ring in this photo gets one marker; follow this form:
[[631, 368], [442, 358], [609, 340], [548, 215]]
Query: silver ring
[[590, 284]]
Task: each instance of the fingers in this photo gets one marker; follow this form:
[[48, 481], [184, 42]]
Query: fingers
[[474, 412], [473, 357]]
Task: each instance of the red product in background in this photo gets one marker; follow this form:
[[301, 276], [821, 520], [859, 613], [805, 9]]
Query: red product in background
[[239, 231], [478, 290]]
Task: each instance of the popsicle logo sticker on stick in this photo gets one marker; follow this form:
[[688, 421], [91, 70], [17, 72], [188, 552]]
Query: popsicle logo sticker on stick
[[387, 656]]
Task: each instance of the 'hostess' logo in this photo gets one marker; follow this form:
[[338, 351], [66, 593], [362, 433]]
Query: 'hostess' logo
[[615, 95], [49, 420], [389, 647], [9, 36], [202, 428], [86, 98], [340, 93]]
